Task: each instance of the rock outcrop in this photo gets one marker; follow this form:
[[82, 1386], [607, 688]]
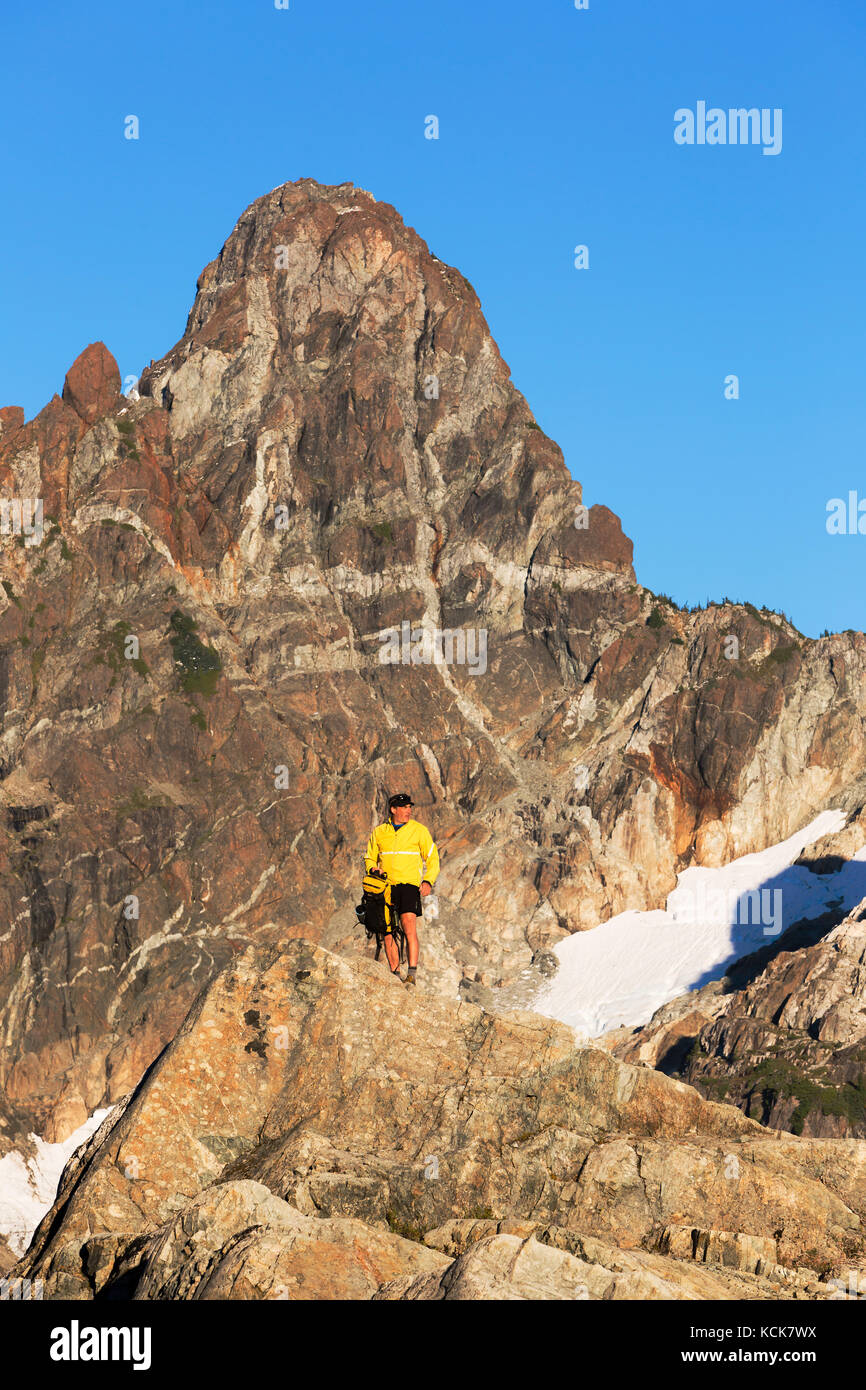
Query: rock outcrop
[[92, 385], [198, 727], [314, 1131], [782, 1036]]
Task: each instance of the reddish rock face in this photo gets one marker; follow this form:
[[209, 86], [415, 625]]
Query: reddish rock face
[[199, 728], [11, 419], [92, 384], [595, 540]]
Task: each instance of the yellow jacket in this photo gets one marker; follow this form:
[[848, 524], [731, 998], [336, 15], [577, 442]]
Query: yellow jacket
[[402, 853]]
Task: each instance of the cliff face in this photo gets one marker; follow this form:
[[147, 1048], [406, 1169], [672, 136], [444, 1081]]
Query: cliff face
[[198, 725], [314, 1132]]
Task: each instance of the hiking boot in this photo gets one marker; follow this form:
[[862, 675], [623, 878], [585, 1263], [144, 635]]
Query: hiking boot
[[409, 982]]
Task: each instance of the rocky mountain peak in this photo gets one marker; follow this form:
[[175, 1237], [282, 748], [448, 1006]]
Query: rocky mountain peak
[[331, 365], [202, 713]]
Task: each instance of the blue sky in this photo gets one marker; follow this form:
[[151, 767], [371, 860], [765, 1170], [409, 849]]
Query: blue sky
[[556, 129]]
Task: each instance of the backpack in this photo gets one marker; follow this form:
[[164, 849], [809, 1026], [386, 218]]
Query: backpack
[[376, 916]]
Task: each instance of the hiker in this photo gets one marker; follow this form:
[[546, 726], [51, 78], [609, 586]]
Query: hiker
[[403, 849]]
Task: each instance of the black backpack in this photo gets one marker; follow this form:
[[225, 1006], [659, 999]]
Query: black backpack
[[376, 914]]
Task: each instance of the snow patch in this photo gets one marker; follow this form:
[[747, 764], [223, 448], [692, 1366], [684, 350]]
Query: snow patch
[[28, 1186], [621, 971]]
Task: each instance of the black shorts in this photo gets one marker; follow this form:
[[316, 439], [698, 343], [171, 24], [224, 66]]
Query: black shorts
[[406, 897]]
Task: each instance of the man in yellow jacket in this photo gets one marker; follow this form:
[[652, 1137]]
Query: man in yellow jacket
[[403, 849]]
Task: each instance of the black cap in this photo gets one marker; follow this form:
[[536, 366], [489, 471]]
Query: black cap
[[401, 799]]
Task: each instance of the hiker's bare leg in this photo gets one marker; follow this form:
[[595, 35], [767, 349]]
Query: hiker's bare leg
[[407, 920], [391, 952]]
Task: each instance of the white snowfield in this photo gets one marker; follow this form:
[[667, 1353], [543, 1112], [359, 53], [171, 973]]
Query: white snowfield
[[620, 972], [28, 1186]]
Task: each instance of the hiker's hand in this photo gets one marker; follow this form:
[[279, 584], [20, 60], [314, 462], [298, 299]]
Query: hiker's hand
[[426, 890]]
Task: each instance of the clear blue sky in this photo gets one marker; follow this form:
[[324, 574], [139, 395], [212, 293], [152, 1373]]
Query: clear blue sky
[[556, 128]]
